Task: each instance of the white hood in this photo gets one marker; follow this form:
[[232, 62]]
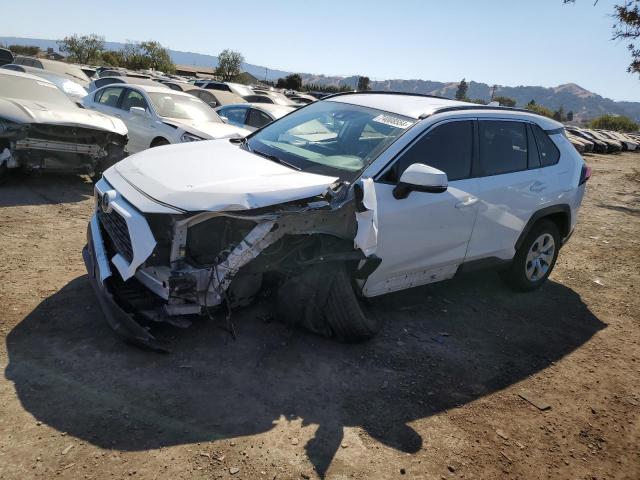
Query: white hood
[[208, 130], [214, 175], [27, 111]]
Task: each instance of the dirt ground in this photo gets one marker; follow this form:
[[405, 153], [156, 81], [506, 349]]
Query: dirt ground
[[435, 395]]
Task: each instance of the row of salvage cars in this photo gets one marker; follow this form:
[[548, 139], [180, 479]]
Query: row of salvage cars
[[54, 117], [587, 140]]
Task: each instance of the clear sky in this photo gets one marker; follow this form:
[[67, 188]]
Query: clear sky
[[508, 42]]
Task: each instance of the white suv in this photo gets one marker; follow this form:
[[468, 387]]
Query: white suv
[[354, 196]]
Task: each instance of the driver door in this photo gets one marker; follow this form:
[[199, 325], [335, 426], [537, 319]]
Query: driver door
[[424, 238], [141, 127]]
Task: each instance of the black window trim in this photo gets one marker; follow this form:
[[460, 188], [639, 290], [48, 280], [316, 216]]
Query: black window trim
[[379, 177]]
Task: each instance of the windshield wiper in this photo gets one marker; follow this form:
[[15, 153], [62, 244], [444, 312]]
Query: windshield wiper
[[273, 158]]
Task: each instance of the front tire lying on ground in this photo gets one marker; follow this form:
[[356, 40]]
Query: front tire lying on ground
[[323, 300], [536, 257]]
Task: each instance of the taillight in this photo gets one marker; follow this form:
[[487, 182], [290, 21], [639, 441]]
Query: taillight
[[585, 174]]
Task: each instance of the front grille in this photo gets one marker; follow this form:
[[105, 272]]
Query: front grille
[[118, 232]]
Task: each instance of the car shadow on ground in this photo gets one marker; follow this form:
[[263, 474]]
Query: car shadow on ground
[[18, 189], [441, 346]]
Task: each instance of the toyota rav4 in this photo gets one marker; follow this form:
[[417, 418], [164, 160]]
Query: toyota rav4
[[350, 197]]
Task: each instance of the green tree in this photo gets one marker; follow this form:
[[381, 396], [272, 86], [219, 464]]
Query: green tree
[[559, 114], [539, 109], [292, 82], [82, 49], [505, 101], [614, 122], [570, 116], [144, 55], [30, 50], [113, 58], [479, 101], [363, 84], [461, 93], [229, 64], [531, 102]]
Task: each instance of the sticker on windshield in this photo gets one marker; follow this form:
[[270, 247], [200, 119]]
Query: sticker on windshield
[[392, 121]]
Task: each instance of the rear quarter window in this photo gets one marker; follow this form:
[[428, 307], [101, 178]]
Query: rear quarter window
[[549, 153]]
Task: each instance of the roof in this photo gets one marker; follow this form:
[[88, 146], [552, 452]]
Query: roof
[[194, 69], [156, 89], [29, 76], [420, 106]]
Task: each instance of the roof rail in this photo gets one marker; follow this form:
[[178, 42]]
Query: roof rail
[[383, 92], [476, 107]]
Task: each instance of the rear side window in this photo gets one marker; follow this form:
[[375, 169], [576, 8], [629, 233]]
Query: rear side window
[[549, 153], [448, 147], [106, 81], [503, 147]]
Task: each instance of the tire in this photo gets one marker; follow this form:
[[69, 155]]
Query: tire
[[344, 311], [158, 142], [541, 245], [322, 300]]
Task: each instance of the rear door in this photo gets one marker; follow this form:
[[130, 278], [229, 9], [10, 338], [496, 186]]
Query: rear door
[[509, 187], [423, 238]]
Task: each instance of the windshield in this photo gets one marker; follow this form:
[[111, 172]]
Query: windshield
[[330, 138], [33, 90], [185, 107]]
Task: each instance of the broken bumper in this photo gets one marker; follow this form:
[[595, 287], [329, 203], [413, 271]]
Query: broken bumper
[[122, 322]]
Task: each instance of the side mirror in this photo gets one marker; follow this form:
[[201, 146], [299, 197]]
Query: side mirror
[[213, 104], [138, 111], [224, 119], [421, 178]]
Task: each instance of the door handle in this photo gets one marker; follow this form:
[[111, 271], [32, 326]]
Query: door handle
[[537, 186], [467, 202]]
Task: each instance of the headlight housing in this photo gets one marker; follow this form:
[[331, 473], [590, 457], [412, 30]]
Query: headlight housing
[[190, 137]]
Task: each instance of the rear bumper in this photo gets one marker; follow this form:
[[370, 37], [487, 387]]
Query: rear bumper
[[100, 275]]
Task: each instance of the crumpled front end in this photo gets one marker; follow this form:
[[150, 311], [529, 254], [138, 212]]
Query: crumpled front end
[[164, 267], [59, 148]]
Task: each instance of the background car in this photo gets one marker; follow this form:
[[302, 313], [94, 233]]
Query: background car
[[5, 56], [104, 81], [252, 116], [156, 115], [214, 98], [58, 135], [74, 72], [73, 90], [237, 88]]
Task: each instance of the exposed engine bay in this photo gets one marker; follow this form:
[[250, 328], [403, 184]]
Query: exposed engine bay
[[58, 148]]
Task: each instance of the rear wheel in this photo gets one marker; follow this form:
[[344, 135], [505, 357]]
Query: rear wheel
[[536, 257]]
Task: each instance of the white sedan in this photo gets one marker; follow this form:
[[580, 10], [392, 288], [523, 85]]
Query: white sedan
[[158, 116]]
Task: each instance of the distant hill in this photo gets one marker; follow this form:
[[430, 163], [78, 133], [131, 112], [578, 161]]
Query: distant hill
[[583, 103]]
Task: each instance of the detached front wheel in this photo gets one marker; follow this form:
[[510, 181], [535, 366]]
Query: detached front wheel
[[536, 257]]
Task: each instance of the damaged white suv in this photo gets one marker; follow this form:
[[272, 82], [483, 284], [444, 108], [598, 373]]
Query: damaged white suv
[[354, 196]]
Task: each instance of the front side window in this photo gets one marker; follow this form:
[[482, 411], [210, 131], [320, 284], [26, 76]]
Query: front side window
[[258, 119], [182, 106], [549, 154], [447, 147], [503, 147], [109, 96], [133, 99], [330, 138]]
